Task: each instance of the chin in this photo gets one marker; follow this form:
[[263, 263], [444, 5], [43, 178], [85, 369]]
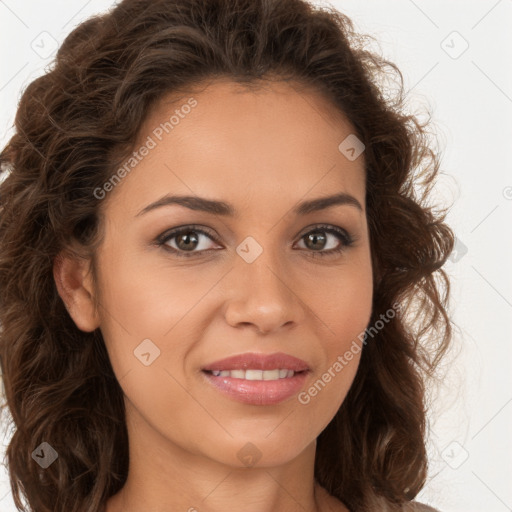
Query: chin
[[262, 450]]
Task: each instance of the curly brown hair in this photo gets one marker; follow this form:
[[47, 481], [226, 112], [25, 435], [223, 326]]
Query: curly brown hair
[[75, 123]]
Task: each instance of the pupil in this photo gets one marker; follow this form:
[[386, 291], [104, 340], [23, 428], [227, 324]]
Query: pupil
[[315, 239], [189, 240]]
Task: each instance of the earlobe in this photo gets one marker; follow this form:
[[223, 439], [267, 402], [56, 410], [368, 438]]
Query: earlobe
[[74, 284]]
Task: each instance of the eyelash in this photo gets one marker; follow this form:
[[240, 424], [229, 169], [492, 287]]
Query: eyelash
[[345, 239]]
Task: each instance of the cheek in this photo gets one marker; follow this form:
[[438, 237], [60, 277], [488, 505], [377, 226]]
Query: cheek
[[343, 305], [148, 299], [342, 299], [160, 406]]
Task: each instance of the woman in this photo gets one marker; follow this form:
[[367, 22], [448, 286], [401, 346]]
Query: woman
[[220, 272]]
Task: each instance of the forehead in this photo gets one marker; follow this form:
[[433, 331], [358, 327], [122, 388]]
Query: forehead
[[226, 140]]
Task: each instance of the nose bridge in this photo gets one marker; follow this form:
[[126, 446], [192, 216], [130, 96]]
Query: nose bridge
[[262, 293]]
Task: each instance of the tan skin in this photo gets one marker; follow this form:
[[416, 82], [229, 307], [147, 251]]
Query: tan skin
[[263, 152]]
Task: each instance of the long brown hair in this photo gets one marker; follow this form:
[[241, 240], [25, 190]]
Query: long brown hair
[[59, 385]]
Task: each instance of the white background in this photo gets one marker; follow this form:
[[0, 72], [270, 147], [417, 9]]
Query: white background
[[470, 95]]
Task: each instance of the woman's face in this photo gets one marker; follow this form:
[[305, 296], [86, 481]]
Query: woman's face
[[258, 272]]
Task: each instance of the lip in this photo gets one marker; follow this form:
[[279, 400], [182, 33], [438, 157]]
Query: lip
[[258, 392], [258, 361]]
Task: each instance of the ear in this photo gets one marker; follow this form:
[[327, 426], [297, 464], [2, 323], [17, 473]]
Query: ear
[[73, 279]]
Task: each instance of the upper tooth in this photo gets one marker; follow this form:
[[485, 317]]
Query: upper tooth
[[271, 375], [255, 374]]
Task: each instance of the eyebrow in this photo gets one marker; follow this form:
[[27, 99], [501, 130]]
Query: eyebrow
[[222, 208]]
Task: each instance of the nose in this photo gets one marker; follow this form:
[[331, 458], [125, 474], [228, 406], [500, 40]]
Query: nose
[[263, 296]]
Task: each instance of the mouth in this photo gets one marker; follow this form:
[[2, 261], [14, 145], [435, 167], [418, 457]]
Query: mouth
[[258, 379], [253, 374]]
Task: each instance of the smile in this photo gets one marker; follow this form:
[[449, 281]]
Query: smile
[[255, 374], [258, 379]]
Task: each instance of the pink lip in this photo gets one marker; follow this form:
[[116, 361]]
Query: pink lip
[[255, 361], [258, 392]]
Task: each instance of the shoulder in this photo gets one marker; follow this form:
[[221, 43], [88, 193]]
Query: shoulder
[[415, 506]]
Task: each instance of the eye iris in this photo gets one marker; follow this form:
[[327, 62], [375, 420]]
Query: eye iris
[[314, 238], [189, 239]]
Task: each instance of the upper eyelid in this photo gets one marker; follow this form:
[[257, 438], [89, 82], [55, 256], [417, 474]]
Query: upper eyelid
[[171, 233]]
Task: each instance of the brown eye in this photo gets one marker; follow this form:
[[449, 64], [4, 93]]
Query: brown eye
[[187, 241], [315, 240], [326, 241]]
